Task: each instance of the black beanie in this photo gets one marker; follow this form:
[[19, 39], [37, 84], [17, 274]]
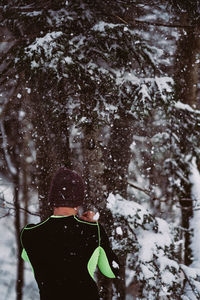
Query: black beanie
[[67, 189]]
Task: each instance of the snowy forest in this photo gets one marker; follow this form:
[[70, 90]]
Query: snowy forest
[[110, 89]]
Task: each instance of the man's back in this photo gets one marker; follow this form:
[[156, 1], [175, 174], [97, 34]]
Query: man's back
[[63, 252]]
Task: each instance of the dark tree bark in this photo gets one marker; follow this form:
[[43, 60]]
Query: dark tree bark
[[187, 75], [116, 180], [118, 155], [186, 78], [18, 223], [51, 136], [93, 165], [187, 213]]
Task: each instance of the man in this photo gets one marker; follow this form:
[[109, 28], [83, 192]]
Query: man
[[64, 250]]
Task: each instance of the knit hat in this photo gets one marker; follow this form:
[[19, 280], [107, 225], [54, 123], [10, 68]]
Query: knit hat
[[67, 189]]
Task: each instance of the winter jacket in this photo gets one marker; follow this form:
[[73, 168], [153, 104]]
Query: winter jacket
[[63, 252]]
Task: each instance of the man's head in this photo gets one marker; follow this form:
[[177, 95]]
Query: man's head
[[67, 189]]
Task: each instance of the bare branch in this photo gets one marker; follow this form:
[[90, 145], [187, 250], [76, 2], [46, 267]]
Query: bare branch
[[6, 215], [147, 192], [153, 23], [10, 165], [21, 208], [164, 25], [191, 284]]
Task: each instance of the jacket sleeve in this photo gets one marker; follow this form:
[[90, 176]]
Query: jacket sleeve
[[22, 249], [108, 262], [24, 254]]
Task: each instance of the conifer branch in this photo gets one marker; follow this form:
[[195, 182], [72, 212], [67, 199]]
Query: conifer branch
[[153, 23]]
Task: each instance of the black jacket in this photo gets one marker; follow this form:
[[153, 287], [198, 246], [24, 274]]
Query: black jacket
[[63, 252]]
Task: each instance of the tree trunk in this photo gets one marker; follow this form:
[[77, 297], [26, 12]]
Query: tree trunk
[[187, 213], [186, 78], [116, 178], [118, 156], [187, 67], [51, 137], [20, 263], [93, 165]]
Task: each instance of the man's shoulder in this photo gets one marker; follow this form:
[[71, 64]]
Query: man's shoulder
[[85, 221], [32, 225], [28, 226]]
